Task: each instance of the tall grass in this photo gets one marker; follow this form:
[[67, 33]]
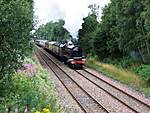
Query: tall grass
[[112, 71]]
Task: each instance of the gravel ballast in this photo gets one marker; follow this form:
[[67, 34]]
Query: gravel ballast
[[113, 105]]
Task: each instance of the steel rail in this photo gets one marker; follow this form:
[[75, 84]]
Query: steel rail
[[63, 84], [129, 95], [75, 83], [108, 92]]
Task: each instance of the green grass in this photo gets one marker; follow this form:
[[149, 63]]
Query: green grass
[[120, 74]]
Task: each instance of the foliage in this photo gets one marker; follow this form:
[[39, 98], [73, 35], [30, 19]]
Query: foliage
[[123, 31], [36, 92], [144, 72], [87, 43], [87, 34], [53, 31], [100, 45], [121, 38], [16, 18]]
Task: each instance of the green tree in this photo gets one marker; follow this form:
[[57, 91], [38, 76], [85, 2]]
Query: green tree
[[87, 33], [53, 31], [100, 44], [131, 28], [143, 35], [107, 34], [125, 27], [16, 22]]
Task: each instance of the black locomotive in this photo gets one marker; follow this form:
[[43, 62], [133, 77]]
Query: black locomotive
[[68, 52]]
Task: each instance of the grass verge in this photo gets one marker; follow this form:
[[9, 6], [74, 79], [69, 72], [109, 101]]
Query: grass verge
[[119, 74]]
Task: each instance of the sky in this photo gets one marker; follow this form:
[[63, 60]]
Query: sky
[[72, 11]]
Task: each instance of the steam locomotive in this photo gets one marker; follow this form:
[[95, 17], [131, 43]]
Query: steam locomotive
[[69, 53]]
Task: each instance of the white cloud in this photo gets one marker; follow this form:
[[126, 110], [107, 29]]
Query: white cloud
[[72, 11]]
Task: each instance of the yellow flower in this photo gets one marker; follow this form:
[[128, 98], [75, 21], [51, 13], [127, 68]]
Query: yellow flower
[[45, 110], [37, 112]]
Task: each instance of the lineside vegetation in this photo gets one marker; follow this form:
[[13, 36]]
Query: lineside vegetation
[[20, 92], [121, 37], [16, 22]]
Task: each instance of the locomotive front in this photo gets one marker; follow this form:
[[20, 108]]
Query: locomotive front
[[76, 57]]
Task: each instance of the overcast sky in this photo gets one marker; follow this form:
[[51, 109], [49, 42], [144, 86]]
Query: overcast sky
[[72, 11]]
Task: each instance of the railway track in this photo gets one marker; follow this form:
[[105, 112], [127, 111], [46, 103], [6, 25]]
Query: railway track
[[86, 102], [135, 104]]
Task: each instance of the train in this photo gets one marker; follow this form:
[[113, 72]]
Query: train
[[69, 53]]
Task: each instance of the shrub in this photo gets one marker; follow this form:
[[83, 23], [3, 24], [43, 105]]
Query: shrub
[[144, 72]]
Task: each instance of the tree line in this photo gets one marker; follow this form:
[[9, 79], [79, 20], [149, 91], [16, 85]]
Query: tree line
[[53, 31], [124, 30]]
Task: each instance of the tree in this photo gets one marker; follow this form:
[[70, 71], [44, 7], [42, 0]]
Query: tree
[[94, 9], [131, 28], [143, 36], [53, 31], [87, 33], [107, 34], [16, 22], [124, 26], [100, 44]]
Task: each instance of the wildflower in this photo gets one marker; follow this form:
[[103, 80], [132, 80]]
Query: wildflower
[[45, 110], [37, 112], [29, 69], [26, 110]]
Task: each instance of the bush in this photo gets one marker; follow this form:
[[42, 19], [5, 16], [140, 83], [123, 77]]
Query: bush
[[35, 92], [144, 72]]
